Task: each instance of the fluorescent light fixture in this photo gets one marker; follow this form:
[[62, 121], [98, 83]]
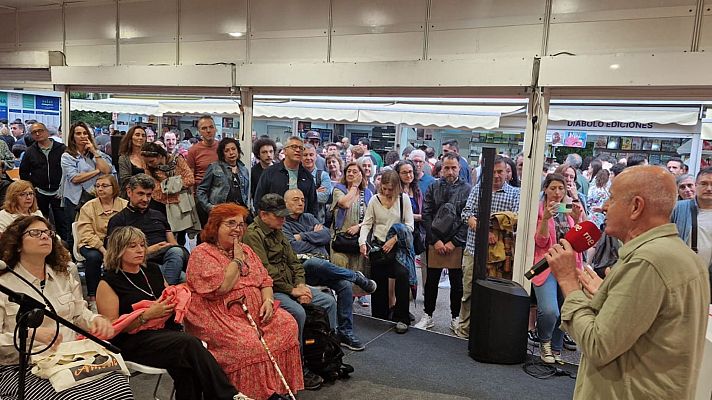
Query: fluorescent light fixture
[[614, 66], [235, 34]]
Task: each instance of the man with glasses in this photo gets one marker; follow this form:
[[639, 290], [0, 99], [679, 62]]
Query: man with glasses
[[289, 174], [693, 218], [163, 248], [202, 154], [424, 180], [266, 238], [42, 166]]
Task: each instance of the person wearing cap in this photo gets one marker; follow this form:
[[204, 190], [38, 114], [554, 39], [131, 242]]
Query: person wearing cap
[[314, 138], [289, 174], [266, 239]]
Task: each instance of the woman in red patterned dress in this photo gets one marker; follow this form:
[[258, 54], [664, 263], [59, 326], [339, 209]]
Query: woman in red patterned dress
[[221, 270]]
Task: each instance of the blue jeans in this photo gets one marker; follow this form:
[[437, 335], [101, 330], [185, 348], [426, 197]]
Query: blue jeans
[[172, 265], [548, 317], [92, 267], [292, 306], [321, 272]]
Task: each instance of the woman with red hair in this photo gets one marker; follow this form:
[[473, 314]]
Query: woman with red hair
[[221, 271]]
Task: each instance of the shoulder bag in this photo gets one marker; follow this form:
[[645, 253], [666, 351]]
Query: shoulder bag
[[376, 254]]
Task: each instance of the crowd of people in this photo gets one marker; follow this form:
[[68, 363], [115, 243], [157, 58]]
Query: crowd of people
[[329, 224]]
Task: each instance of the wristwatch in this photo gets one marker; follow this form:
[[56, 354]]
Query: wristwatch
[[141, 319]]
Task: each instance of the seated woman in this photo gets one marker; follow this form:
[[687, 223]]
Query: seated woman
[[93, 219], [128, 279], [19, 202], [220, 271], [32, 250], [227, 180]]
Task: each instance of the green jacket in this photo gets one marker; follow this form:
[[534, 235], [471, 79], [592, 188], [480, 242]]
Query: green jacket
[[275, 252]]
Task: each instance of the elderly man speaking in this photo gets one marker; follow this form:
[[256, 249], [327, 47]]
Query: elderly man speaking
[[642, 329]]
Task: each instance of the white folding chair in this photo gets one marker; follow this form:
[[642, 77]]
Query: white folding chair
[[136, 369], [75, 249]]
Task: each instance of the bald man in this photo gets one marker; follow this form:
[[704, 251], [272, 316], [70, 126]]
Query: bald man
[[641, 331]]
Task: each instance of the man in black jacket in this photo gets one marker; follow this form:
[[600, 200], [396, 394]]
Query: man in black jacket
[[42, 166], [289, 174], [444, 241]]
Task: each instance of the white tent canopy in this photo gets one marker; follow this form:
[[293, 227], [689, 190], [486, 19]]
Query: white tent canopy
[[442, 116], [681, 116]]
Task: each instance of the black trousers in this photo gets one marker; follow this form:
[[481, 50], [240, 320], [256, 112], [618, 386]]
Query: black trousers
[[379, 299], [51, 208], [431, 290], [195, 372]]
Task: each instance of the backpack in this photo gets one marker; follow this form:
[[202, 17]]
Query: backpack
[[322, 351], [445, 222]]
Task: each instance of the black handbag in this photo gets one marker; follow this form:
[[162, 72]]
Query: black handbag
[[376, 254], [345, 243]]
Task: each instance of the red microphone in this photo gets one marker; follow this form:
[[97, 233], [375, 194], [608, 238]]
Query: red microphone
[[582, 237]]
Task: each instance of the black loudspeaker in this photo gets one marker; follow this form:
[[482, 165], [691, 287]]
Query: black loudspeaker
[[498, 321]]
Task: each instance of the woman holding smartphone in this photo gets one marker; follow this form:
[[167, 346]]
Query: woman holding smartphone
[[557, 214]]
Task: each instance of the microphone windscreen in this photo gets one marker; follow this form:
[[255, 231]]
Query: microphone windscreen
[[583, 236]]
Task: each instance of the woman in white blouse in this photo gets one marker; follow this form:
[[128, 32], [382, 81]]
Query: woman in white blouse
[[19, 201], [390, 216]]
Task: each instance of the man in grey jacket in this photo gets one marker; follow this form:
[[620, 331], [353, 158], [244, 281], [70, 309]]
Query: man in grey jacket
[[309, 239]]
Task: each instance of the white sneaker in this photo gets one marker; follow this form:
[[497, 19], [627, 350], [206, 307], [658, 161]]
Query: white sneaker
[[545, 352], [454, 323], [426, 322]]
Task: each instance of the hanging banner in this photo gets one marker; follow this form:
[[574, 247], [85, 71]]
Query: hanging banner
[[567, 138], [3, 105]]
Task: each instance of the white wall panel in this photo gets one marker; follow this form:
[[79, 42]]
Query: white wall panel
[[91, 33], [366, 30], [40, 29], [706, 33], [148, 32], [469, 29], [287, 50], [8, 31], [205, 28], [612, 26]]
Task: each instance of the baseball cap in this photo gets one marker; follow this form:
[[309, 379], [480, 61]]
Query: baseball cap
[[313, 135], [274, 203]]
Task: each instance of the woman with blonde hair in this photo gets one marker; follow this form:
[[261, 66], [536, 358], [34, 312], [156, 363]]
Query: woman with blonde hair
[[129, 279], [19, 202]]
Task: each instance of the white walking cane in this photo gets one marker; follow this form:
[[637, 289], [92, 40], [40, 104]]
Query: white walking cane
[[241, 302]]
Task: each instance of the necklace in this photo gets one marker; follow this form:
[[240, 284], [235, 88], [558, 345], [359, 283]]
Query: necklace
[[136, 286]]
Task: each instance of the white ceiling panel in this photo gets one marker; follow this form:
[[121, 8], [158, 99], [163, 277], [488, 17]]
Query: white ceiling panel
[[462, 14], [377, 47], [40, 29], [208, 52], [8, 33], [90, 23], [285, 50], [292, 15], [374, 17], [224, 16], [155, 20]]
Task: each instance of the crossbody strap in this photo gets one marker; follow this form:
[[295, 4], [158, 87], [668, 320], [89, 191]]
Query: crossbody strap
[[693, 238]]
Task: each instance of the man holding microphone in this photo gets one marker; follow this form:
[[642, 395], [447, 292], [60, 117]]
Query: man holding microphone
[[641, 331]]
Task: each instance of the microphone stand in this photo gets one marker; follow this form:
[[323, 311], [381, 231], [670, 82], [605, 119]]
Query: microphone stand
[[31, 315]]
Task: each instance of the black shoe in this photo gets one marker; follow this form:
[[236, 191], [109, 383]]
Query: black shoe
[[368, 285], [401, 328], [312, 381], [569, 343], [533, 337], [351, 342]]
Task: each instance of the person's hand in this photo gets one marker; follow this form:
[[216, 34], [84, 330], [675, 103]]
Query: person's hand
[[266, 310], [353, 230], [304, 299], [318, 227], [321, 189], [45, 335], [159, 309], [101, 327], [364, 250], [390, 243], [492, 239], [472, 222], [576, 210], [157, 247], [237, 249], [102, 250], [439, 247], [562, 261], [590, 280], [90, 148], [301, 290], [449, 247], [550, 210]]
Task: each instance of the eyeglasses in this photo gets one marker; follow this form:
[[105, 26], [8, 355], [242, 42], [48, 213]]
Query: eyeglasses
[[294, 147], [235, 224], [36, 233], [27, 194], [102, 186]]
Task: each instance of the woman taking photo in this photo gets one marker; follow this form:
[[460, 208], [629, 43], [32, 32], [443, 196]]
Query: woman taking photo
[[82, 163], [93, 219], [221, 271], [128, 279], [388, 225], [351, 197], [554, 220], [39, 264], [227, 180], [334, 165], [19, 202], [130, 160]]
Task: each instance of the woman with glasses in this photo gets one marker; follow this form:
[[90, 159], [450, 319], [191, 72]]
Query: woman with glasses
[[39, 265], [129, 279], [223, 273], [82, 163], [93, 219], [19, 202], [130, 160], [227, 180]]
